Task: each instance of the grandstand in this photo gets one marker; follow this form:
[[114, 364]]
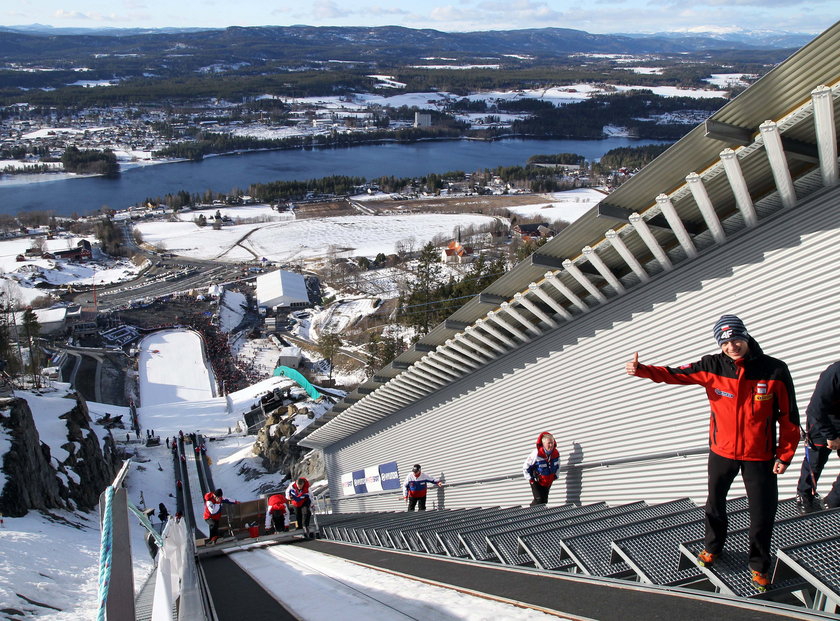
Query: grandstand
[[740, 216]]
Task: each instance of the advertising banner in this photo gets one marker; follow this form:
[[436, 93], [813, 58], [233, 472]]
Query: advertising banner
[[347, 484], [372, 481], [359, 481], [389, 476]]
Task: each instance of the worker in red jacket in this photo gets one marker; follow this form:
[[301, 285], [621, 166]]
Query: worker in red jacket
[[298, 496], [277, 513], [750, 393], [213, 502]]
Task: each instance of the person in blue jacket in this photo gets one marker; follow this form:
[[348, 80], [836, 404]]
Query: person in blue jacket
[[822, 438], [415, 488], [541, 466]]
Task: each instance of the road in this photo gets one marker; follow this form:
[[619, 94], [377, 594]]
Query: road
[[162, 277]]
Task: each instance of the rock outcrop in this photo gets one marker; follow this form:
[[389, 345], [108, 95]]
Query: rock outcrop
[[94, 466], [31, 481], [37, 480]]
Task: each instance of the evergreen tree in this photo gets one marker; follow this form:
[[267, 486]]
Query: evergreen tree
[[329, 345], [31, 330]]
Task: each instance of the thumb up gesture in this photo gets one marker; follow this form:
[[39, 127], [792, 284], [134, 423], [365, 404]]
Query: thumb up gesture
[[632, 365]]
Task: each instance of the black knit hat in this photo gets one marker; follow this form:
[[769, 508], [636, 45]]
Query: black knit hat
[[730, 328], [416, 468]]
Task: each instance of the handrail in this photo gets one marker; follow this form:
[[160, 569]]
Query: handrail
[[116, 580], [105, 553]]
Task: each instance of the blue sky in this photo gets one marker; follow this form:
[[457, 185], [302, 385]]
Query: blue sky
[[597, 16]]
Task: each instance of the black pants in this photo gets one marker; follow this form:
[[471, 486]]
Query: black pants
[[763, 496], [278, 519], [302, 516], [214, 528], [540, 493], [420, 503], [807, 486]]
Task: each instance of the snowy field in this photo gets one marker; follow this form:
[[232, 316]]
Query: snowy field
[[20, 278], [158, 385], [303, 239]]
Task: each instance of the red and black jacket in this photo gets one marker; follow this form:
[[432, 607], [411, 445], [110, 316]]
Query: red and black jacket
[[747, 398]]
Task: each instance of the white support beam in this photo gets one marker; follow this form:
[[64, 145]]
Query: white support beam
[[452, 360], [778, 162], [598, 263], [449, 356], [514, 312], [674, 221], [422, 379], [826, 130], [573, 297], [583, 279], [738, 183], [395, 395], [439, 368], [433, 373], [701, 197], [557, 308], [474, 332], [641, 227], [629, 258], [521, 299], [465, 345], [504, 323], [412, 386], [487, 326], [395, 400]]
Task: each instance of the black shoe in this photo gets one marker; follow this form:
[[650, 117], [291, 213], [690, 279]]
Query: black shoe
[[312, 535], [809, 504]]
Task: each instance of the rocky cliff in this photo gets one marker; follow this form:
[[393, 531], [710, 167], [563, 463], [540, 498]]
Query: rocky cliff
[[37, 480]]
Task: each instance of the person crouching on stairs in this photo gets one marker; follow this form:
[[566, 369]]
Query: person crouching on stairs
[[277, 513], [298, 495], [213, 502]]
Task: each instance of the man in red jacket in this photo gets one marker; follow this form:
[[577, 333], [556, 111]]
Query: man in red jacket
[[213, 502], [749, 394]]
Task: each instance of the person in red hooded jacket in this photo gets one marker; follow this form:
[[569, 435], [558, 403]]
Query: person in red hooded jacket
[[541, 466], [277, 513], [213, 502], [298, 495]]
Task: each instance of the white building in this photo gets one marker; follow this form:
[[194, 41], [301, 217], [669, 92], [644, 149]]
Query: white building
[[282, 289], [422, 119], [50, 320]]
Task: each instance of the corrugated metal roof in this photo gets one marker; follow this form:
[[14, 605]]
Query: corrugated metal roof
[[783, 95]]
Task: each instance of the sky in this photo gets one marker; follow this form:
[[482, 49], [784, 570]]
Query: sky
[[600, 16]]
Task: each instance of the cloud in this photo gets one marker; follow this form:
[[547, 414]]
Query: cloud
[[516, 14], [327, 9], [90, 16], [741, 3], [73, 15]]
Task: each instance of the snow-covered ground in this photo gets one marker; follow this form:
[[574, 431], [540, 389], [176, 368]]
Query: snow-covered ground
[[20, 279], [52, 559], [569, 205], [194, 381], [303, 239]]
